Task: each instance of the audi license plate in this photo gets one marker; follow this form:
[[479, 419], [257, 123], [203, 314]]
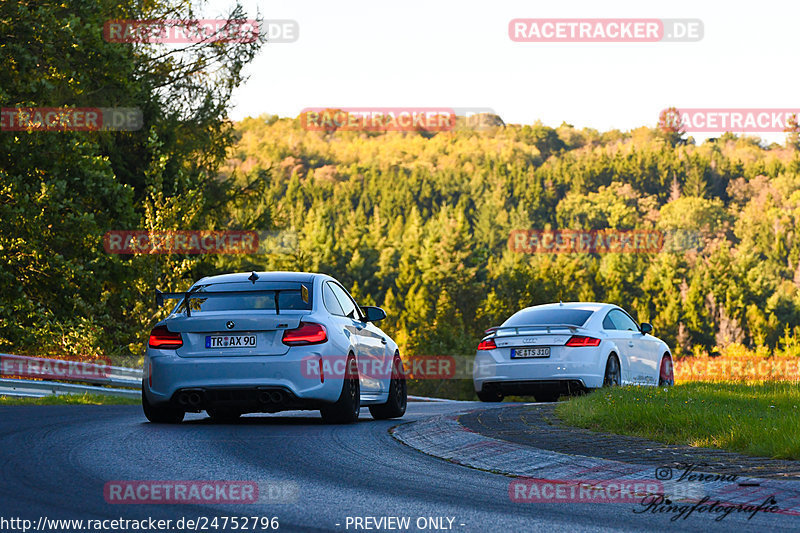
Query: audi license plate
[[519, 353], [230, 341]]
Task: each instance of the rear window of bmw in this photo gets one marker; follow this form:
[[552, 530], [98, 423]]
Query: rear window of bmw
[[287, 296], [528, 317]]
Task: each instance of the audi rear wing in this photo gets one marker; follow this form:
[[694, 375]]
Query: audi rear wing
[[572, 327], [186, 296]]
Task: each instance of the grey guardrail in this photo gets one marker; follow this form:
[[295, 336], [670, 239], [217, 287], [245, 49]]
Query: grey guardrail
[[103, 379], [122, 377], [120, 372], [37, 389]]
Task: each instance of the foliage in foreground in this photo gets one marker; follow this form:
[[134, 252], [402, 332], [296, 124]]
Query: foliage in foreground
[[759, 419]]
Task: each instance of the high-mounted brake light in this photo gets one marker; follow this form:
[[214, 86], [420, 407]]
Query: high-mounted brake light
[[580, 340], [487, 344], [305, 333], [490, 330], [165, 339]]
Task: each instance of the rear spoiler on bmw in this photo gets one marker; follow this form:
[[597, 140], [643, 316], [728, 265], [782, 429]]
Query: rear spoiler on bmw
[[572, 327], [186, 296]]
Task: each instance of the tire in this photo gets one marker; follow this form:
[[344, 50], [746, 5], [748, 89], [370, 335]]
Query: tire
[[348, 406], [547, 396], [666, 374], [490, 397], [613, 375], [160, 415], [395, 406], [223, 415]]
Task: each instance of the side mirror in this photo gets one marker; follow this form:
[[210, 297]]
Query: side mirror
[[373, 314], [645, 328]]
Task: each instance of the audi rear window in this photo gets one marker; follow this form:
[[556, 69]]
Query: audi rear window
[[529, 317]]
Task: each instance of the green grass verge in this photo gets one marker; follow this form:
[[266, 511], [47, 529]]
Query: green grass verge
[[754, 419], [70, 399]]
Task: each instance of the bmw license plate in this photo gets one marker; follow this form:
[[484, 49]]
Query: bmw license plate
[[230, 341], [520, 353]]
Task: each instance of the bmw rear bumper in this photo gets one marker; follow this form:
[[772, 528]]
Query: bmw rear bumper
[[266, 399], [260, 383]]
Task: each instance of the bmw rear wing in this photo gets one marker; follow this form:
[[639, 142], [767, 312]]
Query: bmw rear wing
[[186, 296], [572, 328]]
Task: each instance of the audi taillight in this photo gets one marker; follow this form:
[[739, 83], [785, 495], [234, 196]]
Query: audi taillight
[[165, 339], [305, 333], [580, 340], [487, 344]]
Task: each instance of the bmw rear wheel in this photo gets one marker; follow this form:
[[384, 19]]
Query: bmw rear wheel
[[160, 414], [395, 405], [348, 406]]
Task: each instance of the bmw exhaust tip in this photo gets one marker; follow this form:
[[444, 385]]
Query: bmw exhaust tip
[[183, 398], [265, 397], [276, 396], [194, 399]]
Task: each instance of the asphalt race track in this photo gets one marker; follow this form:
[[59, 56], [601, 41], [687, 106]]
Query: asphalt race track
[[56, 461]]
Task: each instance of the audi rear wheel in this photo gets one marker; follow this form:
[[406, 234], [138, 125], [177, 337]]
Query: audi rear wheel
[[613, 375], [666, 375]]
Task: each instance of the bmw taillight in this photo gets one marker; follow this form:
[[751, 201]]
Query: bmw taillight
[[487, 344], [165, 339], [305, 333], [580, 340]]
